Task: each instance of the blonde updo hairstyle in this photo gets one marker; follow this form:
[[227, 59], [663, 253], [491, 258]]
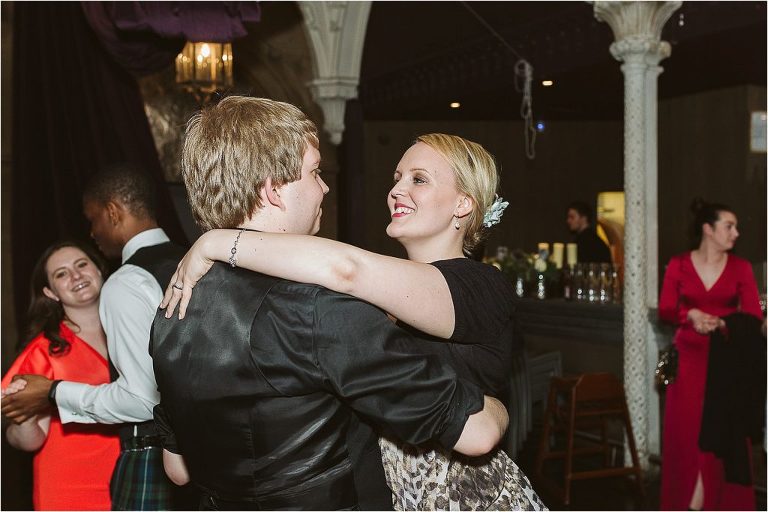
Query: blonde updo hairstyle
[[476, 176]]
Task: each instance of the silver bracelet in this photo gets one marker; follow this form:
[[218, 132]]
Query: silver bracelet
[[233, 251]]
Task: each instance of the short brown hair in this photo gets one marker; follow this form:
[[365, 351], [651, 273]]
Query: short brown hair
[[232, 147]]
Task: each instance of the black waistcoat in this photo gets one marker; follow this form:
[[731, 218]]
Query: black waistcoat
[[159, 260], [243, 439]]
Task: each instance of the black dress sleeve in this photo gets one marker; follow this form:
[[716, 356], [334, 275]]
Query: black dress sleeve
[[482, 299], [371, 364]]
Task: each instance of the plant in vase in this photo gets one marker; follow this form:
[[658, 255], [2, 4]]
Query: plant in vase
[[518, 266]]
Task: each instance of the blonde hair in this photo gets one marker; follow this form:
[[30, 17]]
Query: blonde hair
[[476, 176], [232, 147]]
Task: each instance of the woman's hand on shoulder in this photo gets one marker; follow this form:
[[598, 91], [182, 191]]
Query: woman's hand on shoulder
[[192, 267]]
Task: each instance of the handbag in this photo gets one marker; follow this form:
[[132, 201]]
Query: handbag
[[666, 368]]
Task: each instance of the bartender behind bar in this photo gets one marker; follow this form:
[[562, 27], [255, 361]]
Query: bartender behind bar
[[591, 248]]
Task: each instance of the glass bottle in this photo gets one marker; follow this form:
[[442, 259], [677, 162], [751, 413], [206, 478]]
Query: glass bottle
[[616, 285], [568, 293], [606, 289], [541, 287], [520, 286], [593, 283], [578, 282]]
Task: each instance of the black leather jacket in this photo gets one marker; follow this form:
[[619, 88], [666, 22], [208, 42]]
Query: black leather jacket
[[260, 383]]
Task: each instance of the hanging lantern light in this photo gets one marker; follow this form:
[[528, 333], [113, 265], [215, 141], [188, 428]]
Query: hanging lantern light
[[204, 68]]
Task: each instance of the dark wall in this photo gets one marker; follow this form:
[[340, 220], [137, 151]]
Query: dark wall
[[573, 161], [704, 151]]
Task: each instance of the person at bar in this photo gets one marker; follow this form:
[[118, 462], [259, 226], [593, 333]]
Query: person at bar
[[591, 248]]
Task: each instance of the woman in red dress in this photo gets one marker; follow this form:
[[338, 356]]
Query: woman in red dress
[[700, 288], [73, 463]]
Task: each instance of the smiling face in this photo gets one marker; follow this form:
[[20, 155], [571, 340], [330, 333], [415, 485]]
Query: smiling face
[[723, 233], [424, 198], [73, 278], [303, 197]]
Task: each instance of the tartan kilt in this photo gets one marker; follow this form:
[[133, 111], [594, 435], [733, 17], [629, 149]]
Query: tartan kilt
[[139, 481]]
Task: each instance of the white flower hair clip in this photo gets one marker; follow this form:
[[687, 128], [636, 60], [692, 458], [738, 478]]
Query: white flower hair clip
[[495, 211]]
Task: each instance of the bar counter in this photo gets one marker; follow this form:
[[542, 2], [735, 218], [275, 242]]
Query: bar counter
[[600, 323], [589, 336]]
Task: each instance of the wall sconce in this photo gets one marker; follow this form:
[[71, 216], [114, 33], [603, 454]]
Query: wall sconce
[[204, 68]]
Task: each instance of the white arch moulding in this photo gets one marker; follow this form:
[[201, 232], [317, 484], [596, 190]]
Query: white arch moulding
[[336, 33]]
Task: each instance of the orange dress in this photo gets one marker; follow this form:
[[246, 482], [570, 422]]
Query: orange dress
[[71, 471]]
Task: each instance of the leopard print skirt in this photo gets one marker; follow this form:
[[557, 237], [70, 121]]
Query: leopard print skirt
[[437, 479]]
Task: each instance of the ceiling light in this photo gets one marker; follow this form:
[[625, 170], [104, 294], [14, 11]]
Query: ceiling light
[[547, 83], [455, 104]]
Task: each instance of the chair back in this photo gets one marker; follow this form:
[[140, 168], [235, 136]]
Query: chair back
[[598, 387]]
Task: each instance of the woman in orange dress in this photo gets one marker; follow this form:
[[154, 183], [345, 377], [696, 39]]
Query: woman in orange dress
[[73, 463]]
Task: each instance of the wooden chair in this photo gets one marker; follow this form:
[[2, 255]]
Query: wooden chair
[[585, 403]]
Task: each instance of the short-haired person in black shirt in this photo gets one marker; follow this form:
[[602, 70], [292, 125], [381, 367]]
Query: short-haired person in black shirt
[[591, 248], [265, 381], [442, 203]]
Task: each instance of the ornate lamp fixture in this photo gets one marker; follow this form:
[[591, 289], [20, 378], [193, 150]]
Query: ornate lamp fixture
[[204, 68]]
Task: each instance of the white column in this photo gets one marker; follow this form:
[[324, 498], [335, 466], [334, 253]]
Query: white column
[[652, 245], [336, 33], [637, 29]]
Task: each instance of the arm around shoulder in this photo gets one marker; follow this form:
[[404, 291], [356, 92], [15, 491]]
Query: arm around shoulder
[[414, 292]]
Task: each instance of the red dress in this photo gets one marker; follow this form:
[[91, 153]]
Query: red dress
[[682, 461], [72, 469]]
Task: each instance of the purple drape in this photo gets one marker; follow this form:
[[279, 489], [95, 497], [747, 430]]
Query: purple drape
[[144, 37]]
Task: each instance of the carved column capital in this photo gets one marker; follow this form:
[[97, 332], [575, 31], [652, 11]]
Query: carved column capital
[[640, 50], [635, 19], [332, 95], [336, 33]]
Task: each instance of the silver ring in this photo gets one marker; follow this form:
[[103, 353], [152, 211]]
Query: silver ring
[[178, 286]]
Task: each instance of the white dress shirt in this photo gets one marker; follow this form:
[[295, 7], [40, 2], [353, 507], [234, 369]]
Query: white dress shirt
[[128, 303]]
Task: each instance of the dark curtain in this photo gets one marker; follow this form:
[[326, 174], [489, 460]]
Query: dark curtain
[[74, 110]]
